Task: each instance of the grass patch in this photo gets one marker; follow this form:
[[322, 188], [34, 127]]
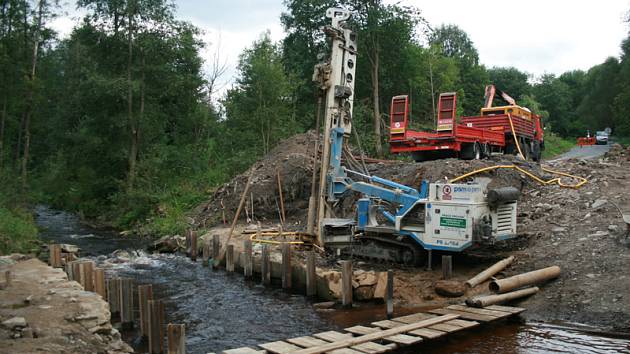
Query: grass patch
[[556, 145], [18, 232]]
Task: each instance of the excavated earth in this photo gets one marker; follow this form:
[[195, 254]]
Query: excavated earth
[[579, 230]]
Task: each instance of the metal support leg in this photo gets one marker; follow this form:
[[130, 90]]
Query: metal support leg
[[429, 259]]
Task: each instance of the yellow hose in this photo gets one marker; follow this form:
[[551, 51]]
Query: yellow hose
[[518, 146], [557, 180]]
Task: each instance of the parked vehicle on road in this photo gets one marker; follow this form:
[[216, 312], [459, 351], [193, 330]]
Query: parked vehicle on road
[[601, 138]]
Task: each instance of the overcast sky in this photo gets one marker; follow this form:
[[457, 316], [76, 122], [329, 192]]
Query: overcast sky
[[537, 36]]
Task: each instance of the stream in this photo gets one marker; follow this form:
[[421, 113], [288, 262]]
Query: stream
[[223, 311]]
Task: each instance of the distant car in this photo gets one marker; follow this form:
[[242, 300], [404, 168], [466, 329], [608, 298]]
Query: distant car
[[601, 138]]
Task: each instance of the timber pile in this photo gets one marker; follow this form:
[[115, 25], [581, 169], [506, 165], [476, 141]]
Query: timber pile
[[388, 335]]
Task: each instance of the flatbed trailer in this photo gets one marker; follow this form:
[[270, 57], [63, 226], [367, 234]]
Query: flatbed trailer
[[473, 137]]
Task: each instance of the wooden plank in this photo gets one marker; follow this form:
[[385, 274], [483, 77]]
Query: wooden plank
[[403, 339], [311, 275], [376, 335], [428, 333], [445, 327], [332, 336], [463, 323], [306, 341], [279, 347], [387, 324], [362, 330], [414, 317], [510, 309], [286, 266], [464, 315], [345, 351], [374, 348], [499, 314], [244, 350]]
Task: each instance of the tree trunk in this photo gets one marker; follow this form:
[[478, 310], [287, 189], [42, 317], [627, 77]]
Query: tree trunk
[[30, 97], [2, 124], [133, 134], [376, 101]]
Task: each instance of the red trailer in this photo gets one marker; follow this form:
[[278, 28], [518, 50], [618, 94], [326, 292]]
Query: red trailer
[[494, 131]]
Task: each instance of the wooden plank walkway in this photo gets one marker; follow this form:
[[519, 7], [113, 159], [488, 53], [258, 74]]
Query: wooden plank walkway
[[387, 335]]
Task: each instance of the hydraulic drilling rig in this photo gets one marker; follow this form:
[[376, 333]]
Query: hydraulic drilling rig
[[393, 222]]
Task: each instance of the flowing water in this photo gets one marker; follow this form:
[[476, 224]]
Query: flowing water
[[224, 311]]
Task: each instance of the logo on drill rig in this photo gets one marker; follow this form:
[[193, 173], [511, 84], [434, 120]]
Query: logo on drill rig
[[446, 192]]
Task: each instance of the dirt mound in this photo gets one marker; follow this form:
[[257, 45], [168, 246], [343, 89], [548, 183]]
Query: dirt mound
[[293, 159], [618, 153]]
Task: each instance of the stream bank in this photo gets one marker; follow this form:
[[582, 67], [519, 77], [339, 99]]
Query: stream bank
[[224, 311]]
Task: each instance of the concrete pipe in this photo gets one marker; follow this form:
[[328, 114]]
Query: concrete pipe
[[486, 274], [503, 195], [487, 300], [521, 280]]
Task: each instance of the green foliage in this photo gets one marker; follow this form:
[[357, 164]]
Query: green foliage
[[556, 145], [18, 232], [510, 80]]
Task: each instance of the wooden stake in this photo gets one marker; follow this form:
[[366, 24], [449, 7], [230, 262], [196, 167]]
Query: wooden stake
[[113, 294], [145, 293], [229, 259], [248, 264], [99, 282], [193, 245], [447, 267], [346, 283], [7, 278], [87, 270], [311, 274], [205, 256], [286, 266], [176, 338], [265, 267], [156, 326], [125, 290], [54, 251], [389, 296], [238, 212], [281, 197], [216, 246]]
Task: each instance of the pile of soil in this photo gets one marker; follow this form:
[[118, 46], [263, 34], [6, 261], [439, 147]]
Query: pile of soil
[[293, 160]]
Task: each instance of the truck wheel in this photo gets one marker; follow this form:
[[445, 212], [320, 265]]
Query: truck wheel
[[467, 152], [486, 152], [477, 151], [536, 153], [526, 150]]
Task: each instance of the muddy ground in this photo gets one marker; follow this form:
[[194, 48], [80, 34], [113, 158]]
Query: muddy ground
[[579, 230]]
